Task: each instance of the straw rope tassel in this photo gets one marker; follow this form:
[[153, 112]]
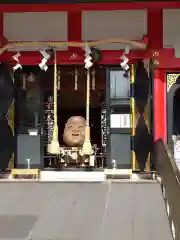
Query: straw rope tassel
[[54, 147], [52, 44], [87, 147]]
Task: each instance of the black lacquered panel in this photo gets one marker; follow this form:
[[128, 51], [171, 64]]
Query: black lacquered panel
[[6, 100], [142, 138]]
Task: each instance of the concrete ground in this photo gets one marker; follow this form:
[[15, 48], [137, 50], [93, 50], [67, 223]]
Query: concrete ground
[[82, 211]]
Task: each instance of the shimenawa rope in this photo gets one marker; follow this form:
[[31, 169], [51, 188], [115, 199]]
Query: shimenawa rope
[[52, 44]]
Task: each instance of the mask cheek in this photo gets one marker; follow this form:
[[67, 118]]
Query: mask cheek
[[69, 132]]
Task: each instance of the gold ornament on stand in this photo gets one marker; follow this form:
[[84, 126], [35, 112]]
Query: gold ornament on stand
[[54, 147]]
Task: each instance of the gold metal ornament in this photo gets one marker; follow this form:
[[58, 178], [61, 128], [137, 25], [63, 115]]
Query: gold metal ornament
[[171, 79], [54, 147]]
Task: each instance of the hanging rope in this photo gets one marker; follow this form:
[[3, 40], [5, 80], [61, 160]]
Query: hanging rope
[[88, 97], [54, 147], [87, 147], [52, 44]]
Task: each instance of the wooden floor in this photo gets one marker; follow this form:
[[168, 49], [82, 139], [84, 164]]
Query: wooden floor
[[82, 211]]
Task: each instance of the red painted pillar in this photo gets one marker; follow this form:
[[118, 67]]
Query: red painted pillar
[[74, 29], [155, 38], [1, 29], [160, 126], [3, 40], [155, 28]]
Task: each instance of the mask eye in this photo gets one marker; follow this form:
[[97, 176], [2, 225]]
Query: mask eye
[[70, 127], [80, 127]]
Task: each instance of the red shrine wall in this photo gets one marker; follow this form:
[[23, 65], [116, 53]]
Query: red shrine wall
[[158, 21], [168, 40]]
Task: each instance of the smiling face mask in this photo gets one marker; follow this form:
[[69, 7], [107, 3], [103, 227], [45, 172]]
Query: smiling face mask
[[74, 131]]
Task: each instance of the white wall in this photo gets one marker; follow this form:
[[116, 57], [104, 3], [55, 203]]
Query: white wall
[[127, 24], [171, 27], [43, 26]]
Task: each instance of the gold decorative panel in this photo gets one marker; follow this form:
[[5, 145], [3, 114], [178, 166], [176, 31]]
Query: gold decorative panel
[[171, 79]]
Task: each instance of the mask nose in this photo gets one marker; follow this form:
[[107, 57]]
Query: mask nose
[[75, 133]]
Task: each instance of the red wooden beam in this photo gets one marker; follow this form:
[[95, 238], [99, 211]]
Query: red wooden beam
[[86, 6], [3, 40], [75, 55], [1, 29], [74, 28], [155, 28], [67, 57], [165, 58]]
